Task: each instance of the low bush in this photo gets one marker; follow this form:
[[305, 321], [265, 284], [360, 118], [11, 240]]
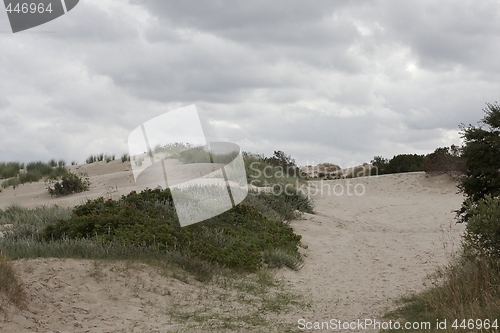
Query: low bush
[[41, 167], [9, 170], [28, 223], [279, 258], [398, 164], [29, 177], [33, 172], [109, 158], [283, 161], [14, 182], [236, 238], [280, 207], [260, 172], [69, 184], [99, 158], [125, 158], [482, 234]]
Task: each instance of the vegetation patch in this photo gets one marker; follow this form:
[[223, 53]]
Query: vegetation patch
[[468, 288], [99, 158], [280, 169], [70, 183], [235, 239], [10, 169], [10, 286], [34, 171], [466, 293]]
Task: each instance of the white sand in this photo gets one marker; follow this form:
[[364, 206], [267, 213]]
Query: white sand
[[364, 252]]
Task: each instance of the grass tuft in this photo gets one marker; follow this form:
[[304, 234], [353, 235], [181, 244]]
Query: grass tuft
[[468, 287], [10, 284]]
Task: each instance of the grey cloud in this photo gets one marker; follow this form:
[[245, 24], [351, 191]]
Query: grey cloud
[[341, 81], [445, 34]]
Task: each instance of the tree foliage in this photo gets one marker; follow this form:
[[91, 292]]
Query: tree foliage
[[398, 164], [69, 184], [481, 158], [380, 165], [483, 227], [283, 161], [444, 160]]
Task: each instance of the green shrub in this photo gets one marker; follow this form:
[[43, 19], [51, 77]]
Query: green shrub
[[40, 167], [109, 158], [279, 258], [28, 223], [260, 172], [29, 177], [480, 158], [91, 159], [125, 158], [278, 205], [36, 171], [11, 182], [283, 161], [99, 158], [398, 164], [483, 226], [69, 184], [9, 170], [236, 238]]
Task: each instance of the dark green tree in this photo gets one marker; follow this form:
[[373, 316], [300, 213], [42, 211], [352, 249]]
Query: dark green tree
[[380, 165], [406, 163], [283, 161], [481, 158]]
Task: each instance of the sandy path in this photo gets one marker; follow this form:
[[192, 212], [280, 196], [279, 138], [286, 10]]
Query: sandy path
[[364, 251]]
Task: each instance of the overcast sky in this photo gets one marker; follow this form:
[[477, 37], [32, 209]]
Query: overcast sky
[[324, 81]]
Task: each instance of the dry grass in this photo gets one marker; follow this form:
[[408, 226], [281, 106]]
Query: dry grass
[[468, 288], [10, 286]]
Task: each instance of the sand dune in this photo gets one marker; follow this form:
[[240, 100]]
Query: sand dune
[[368, 244], [107, 179], [366, 250]]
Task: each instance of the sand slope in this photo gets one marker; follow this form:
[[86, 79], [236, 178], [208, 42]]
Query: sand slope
[[364, 251]]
